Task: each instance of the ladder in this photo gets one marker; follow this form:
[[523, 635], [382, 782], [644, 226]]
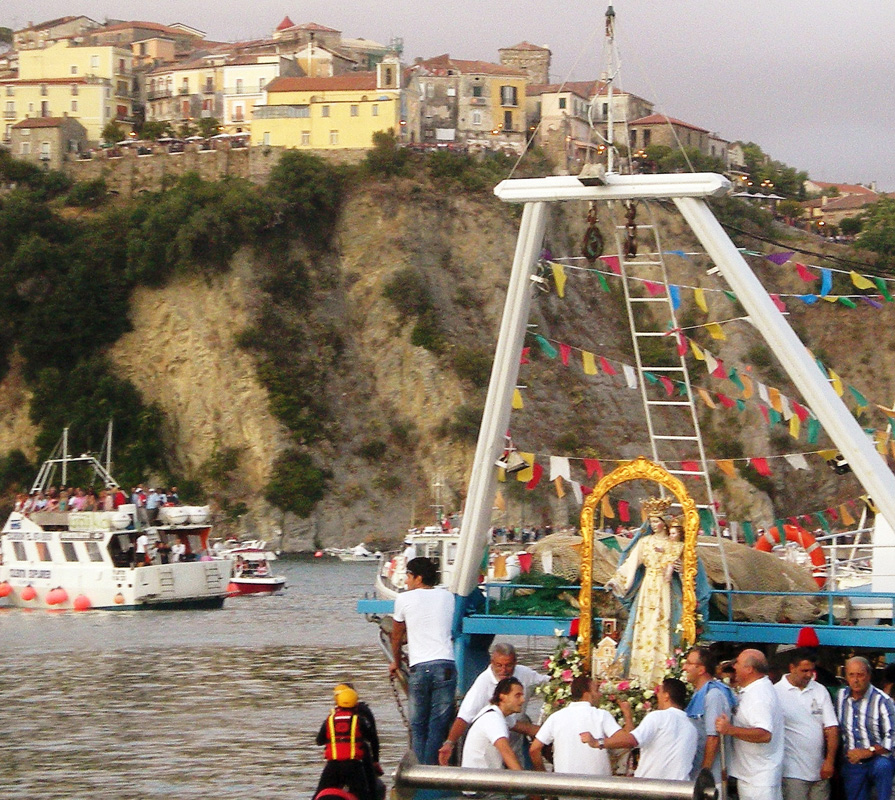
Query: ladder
[[673, 421]]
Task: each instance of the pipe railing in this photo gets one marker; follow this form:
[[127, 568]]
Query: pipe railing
[[411, 775]]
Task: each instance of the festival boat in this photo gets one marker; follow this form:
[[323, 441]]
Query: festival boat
[[82, 560], [251, 570]]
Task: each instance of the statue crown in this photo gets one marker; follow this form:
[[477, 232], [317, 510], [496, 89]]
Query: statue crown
[[656, 506]]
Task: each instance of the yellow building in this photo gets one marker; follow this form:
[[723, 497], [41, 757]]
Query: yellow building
[[92, 84], [338, 113]]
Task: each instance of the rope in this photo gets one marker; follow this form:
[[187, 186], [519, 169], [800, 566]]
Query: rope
[[393, 680]]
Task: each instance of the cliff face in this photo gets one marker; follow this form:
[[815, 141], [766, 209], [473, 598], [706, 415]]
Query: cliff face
[[395, 406]]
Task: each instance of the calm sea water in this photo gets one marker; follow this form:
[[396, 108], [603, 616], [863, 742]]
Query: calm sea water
[[189, 704]]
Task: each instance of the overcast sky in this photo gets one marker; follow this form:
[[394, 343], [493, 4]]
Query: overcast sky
[[811, 82]]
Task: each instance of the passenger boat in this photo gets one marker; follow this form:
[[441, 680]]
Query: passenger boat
[[85, 560], [251, 570], [357, 553]]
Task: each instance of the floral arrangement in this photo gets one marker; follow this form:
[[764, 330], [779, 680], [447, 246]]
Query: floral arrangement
[[563, 666]]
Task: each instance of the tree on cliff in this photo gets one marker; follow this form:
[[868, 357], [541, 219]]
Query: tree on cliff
[[878, 234]]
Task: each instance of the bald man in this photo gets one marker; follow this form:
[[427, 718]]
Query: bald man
[[756, 730]]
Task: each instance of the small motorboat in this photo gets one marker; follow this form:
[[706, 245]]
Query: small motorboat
[[251, 570], [357, 553]]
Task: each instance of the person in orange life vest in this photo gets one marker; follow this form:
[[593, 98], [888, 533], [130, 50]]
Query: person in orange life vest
[[346, 734]]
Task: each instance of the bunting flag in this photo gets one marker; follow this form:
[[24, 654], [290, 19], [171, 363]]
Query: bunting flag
[[706, 398], [624, 511], [860, 281], [524, 358], [674, 293], [734, 377], [821, 518], [707, 520], [606, 508], [499, 502], [781, 306], [603, 285], [800, 411], [559, 278], [779, 258], [847, 519], [715, 331], [564, 352], [560, 492], [593, 465], [537, 473], [606, 366], [795, 426], [711, 363], [653, 288], [726, 466], [826, 282], [669, 386], [724, 400], [748, 390], [697, 352], [748, 533], [699, 297], [690, 466], [860, 400], [719, 371], [682, 344], [525, 475], [587, 361], [630, 376], [796, 460], [837, 383], [576, 492], [883, 289], [761, 466], [546, 348], [804, 273], [518, 405], [559, 468], [774, 399], [808, 299], [613, 263]]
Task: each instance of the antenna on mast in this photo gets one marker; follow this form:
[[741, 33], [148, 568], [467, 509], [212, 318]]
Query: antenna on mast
[[611, 72]]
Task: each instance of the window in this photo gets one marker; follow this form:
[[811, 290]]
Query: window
[[10, 108], [43, 90], [265, 139], [477, 90], [508, 95], [209, 85], [303, 111], [605, 110], [333, 137], [324, 111], [10, 91], [239, 86], [476, 117], [374, 109], [74, 105], [185, 108], [74, 88], [94, 62], [261, 84], [238, 113], [646, 137], [388, 76], [93, 551], [305, 138], [19, 548], [633, 138], [121, 67], [562, 102], [508, 120], [43, 551], [355, 110], [44, 108], [74, 69], [68, 550]]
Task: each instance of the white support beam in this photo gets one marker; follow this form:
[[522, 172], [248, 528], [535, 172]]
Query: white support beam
[[496, 417], [867, 464]]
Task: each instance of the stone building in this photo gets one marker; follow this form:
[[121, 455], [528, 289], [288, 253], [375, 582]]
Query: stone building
[[48, 141], [531, 59]]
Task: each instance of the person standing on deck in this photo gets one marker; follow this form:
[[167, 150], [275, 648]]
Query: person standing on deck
[[757, 759], [810, 732], [504, 664], [426, 614], [866, 722]]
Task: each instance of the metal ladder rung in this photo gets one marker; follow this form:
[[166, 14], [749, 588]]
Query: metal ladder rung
[[667, 403], [663, 334], [664, 369], [695, 473], [670, 438], [662, 299], [640, 227]]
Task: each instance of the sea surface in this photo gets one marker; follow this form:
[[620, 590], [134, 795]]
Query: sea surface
[[221, 704]]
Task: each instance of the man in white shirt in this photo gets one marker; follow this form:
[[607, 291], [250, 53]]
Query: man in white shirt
[[810, 730], [503, 664], [666, 737], [757, 730], [563, 729], [426, 614], [487, 744]]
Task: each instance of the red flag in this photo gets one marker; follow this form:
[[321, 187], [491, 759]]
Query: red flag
[[613, 263], [832, 514], [690, 466], [724, 400], [525, 352], [681, 344], [564, 351], [765, 414], [793, 520], [623, 513], [669, 386], [586, 490], [799, 410], [781, 306], [606, 366], [761, 466], [719, 371], [653, 288], [537, 472], [804, 273], [593, 465]]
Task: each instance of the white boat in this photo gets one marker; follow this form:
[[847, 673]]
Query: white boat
[[251, 567], [357, 553], [85, 560]]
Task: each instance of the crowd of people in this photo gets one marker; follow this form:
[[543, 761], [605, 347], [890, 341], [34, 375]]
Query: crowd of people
[[77, 498]]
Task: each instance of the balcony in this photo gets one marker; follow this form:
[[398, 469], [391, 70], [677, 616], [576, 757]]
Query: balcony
[[478, 101], [9, 115], [158, 94]]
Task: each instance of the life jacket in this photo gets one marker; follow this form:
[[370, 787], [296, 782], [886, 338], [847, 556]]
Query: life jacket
[[345, 741]]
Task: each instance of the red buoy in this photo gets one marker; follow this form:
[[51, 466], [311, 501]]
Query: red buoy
[[5, 589], [119, 599], [82, 603], [318, 554], [29, 593], [56, 596]]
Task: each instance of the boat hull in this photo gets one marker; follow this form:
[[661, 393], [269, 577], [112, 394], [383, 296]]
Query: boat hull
[[256, 585]]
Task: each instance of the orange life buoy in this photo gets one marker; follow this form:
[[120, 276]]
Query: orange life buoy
[[797, 534]]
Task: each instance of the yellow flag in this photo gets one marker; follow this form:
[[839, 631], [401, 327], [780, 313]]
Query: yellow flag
[[699, 297], [501, 474], [517, 400], [587, 360], [774, 398], [706, 398], [560, 492], [715, 331], [559, 278], [697, 353], [860, 281], [826, 455], [499, 502], [795, 426], [726, 466], [847, 519], [606, 508], [525, 475], [870, 504], [837, 383], [892, 447], [749, 389], [831, 298]]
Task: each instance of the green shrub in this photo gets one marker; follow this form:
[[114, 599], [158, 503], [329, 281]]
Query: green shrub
[[427, 333], [373, 450], [88, 194], [408, 291], [473, 365], [297, 484], [309, 193], [386, 159]]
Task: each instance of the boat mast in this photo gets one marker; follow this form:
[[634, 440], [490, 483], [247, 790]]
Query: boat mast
[[611, 71], [65, 456]]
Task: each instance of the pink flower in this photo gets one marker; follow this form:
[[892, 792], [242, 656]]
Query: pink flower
[[647, 705], [567, 675], [546, 663], [624, 686], [670, 662]]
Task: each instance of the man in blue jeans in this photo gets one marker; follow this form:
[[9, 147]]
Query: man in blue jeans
[[426, 613]]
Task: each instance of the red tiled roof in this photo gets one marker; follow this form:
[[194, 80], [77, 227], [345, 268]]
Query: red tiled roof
[[849, 201], [352, 81], [445, 62], [525, 46], [41, 122], [662, 119], [53, 81], [286, 23], [51, 23], [586, 89], [149, 26], [845, 188], [313, 26]]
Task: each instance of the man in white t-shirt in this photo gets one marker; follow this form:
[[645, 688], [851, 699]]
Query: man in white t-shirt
[[487, 743], [667, 738], [563, 729], [426, 614], [503, 664], [810, 730], [756, 729]]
